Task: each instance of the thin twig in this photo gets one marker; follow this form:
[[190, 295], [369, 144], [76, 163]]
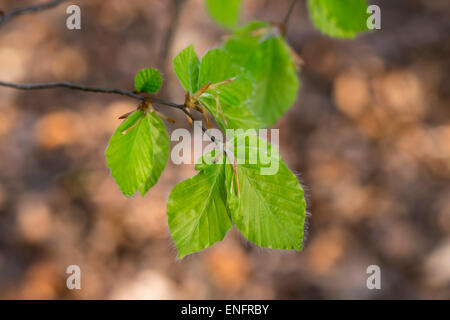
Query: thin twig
[[31, 9], [174, 20], [68, 85], [79, 87], [289, 13]]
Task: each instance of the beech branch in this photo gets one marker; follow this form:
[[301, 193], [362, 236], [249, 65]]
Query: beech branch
[[289, 13], [79, 87], [5, 16], [177, 6]]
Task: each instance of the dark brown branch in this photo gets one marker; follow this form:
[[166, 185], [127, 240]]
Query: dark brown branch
[[289, 13], [68, 85], [31, 9], [79, 87], [177, 5]]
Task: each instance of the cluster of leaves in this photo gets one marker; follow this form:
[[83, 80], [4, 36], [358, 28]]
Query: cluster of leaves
[[247, 83], [269, 210]]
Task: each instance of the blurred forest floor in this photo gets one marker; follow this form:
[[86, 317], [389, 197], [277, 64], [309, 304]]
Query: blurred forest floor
[[369, 137]]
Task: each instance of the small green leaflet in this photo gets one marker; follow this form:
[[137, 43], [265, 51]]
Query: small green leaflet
[[269, 210], [232, 98], [225, 12], [268, 63], [341, 19], [197, 211], [138, 152], [148, 80]]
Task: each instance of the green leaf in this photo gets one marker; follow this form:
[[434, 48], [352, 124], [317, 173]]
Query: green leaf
[[270, 210], [160, 154], [138, 152], [197, 210], [268, 63], [216, 66], [186, 66], [245, 40], [241, 47], [341, 19], [233, 100], [272, 71], [225, 12], [148, 80]]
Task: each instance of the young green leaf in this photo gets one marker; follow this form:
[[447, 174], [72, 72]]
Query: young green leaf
[[341, 19], [216, 66], [186, 66], [271, 69], [225, 12], [160, 155], [197, 210], [148, 80], [270, 207], [229, 105], [231, 99], [138, 152], [245, 40]]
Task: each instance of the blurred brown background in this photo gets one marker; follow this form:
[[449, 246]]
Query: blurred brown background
[[369, 137]]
